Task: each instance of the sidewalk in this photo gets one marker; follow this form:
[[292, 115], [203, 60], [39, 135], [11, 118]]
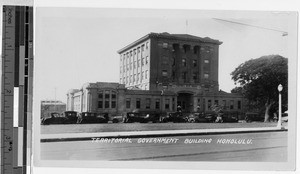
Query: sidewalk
[[160, 133]]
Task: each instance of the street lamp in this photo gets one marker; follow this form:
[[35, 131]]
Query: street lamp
[[279, 105]]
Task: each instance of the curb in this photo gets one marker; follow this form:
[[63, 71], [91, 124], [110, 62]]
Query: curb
[[146, 134]]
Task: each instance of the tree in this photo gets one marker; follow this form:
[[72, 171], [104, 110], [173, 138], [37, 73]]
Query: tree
[[258, 80]]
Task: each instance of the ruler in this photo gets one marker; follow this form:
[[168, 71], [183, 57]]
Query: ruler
[[16, 89]]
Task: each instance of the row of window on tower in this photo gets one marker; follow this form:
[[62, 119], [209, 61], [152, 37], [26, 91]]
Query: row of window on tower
[[132, 65], [135, 78], [187, 48], [184, 75]]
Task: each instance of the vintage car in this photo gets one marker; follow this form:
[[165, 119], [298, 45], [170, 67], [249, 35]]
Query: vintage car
[[118, 119], [142, 117], [251, 116], [90, 118], [201, 118], [175, 117], [56, 118], [227, 117], [72, 117]]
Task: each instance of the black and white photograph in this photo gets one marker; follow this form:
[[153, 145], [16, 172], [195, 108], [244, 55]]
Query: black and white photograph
[[165, 88]]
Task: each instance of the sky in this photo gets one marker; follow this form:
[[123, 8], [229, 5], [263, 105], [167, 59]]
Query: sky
[[79, 45]]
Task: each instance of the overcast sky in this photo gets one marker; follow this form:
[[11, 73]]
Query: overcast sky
[[79, 45]]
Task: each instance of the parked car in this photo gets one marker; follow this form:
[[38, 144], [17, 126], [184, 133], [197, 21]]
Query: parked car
[[142, 117], [118, 119], [72, 117], [175, 117], [251, 116], [89, 118], [55, 118], [201, 118], [229, 118]]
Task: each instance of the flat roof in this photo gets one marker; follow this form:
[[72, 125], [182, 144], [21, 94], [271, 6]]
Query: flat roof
[[166, 35]]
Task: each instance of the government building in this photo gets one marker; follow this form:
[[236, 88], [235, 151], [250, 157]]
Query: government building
[[158, 73]]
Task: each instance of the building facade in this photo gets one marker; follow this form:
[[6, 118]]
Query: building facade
[[51, 106], [160, 72]]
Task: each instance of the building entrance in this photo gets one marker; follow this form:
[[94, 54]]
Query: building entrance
[[185, 101]]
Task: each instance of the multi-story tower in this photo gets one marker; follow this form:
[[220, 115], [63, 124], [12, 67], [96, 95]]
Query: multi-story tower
[[160, 61]]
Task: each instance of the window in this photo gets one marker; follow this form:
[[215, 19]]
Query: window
[[239, 105], [113, 104], [167, 104], [147, 45], [206, 61], [165, 45], [164, 73], [194, 63], [148, 103], [106, 104], [196, 49], [206, 75], [186, 48], [113, 95], [194, 76], [184, 62], [100, 95], [143, 47], [173, 61], [128, 103], [209, 104], [113, 99], [147, 59], [100, 104], [138, 103], [107, 98], [184, 76], [216, 102], [157, 103], [231, 104], [106, 94], [224, 104]]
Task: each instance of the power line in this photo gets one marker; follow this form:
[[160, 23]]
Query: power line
[[284, 33]]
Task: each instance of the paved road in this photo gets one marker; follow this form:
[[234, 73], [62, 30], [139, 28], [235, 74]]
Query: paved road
[[269, 147]]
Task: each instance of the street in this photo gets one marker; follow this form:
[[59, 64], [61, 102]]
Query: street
[[261, 147]]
